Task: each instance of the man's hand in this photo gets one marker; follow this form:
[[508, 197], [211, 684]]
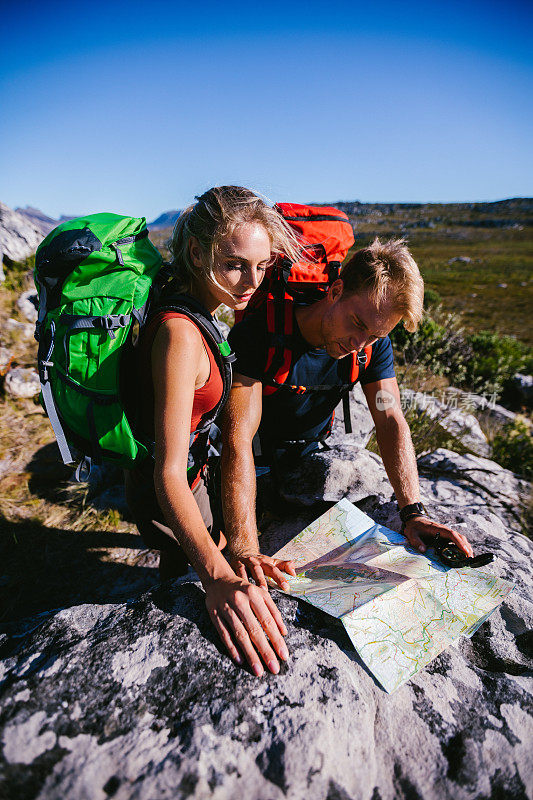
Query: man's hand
[[244, 616], [419, 528], [260, 567]]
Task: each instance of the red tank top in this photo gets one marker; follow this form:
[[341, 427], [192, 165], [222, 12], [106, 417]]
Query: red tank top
[[205, 398]]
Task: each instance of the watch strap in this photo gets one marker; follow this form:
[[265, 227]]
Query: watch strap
[[412, 510]]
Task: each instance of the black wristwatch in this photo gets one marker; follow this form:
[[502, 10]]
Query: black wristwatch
[[412, 510]]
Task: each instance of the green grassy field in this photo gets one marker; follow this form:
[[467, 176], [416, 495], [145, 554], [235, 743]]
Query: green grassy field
[[473, 289]]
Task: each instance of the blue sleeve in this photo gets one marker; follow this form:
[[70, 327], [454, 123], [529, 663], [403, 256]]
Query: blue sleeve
[[248, 340], [381, 363]]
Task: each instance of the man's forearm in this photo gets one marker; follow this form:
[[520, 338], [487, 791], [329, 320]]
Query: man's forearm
[[238, 498], [398, 454]]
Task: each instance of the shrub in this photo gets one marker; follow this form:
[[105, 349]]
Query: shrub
[[512, 447], [441, 346], [482, 362], [17, 274], [495, 360], [431, 298]]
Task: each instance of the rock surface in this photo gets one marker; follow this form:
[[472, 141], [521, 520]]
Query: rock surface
[[19, 237], [24, 329], [27, 305], [137, 700], [362, 422], [345, 470], [22, 382], [468, 483]]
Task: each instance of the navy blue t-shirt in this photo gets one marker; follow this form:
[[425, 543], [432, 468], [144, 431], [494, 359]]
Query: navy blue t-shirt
[[288, 416]]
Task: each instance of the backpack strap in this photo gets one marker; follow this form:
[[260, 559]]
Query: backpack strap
[[197, 313], [362, 358], [279, 318], [44, 363]]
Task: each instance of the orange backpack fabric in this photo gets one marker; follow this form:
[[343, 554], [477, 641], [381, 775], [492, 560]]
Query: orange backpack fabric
[[326, 235]]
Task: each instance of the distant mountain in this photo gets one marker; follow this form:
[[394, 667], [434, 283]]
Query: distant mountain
[[19, 235], [165, 220], [392, 218], [37, 218]]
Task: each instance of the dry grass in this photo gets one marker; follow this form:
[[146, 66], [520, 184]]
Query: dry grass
[[56, 548]]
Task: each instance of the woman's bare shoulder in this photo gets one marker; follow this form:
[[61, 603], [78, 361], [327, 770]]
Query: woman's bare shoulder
[[179, 332]]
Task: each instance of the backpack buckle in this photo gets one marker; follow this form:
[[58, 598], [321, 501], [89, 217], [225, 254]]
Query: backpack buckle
[[334, 270], [43, 370]]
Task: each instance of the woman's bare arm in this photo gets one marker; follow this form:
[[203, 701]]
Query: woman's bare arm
[[244, 615]]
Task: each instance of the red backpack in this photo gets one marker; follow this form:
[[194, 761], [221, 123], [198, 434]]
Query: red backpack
[[326, 236]]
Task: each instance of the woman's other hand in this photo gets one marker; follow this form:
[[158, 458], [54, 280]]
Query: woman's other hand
[[248, 623]]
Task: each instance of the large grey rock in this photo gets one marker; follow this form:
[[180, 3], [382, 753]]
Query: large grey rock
[[19, 237], [461, 424], [22, 382], [27, 305], [483, 407], [473, 484], [344, 470], [361, 418], [137, 700]]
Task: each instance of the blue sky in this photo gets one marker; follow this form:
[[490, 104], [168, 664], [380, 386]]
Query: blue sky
[[136, 108]]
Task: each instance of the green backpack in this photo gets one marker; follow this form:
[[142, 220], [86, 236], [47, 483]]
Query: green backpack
[[98, 279]]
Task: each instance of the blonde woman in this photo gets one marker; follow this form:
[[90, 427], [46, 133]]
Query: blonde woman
[[221, 247]]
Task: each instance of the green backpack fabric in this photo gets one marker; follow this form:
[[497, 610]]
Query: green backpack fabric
[[99, 279], [93, 276]]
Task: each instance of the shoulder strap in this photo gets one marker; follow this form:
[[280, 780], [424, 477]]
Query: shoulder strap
[[279, 320], [358, 360], [197, 313]]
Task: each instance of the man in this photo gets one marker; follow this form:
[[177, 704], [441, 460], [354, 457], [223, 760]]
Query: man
[[380, 286]]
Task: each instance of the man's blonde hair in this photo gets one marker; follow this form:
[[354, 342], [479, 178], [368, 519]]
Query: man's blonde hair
[[388, 268]]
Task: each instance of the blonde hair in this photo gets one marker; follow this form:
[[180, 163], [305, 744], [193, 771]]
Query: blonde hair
[[385, 267], [215, 216]]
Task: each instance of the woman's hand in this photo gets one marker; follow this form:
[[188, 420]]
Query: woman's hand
[[419, 528], [260, 567], [248, 622]]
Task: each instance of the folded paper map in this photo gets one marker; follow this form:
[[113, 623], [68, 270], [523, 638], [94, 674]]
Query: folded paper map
[[400, 608]]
